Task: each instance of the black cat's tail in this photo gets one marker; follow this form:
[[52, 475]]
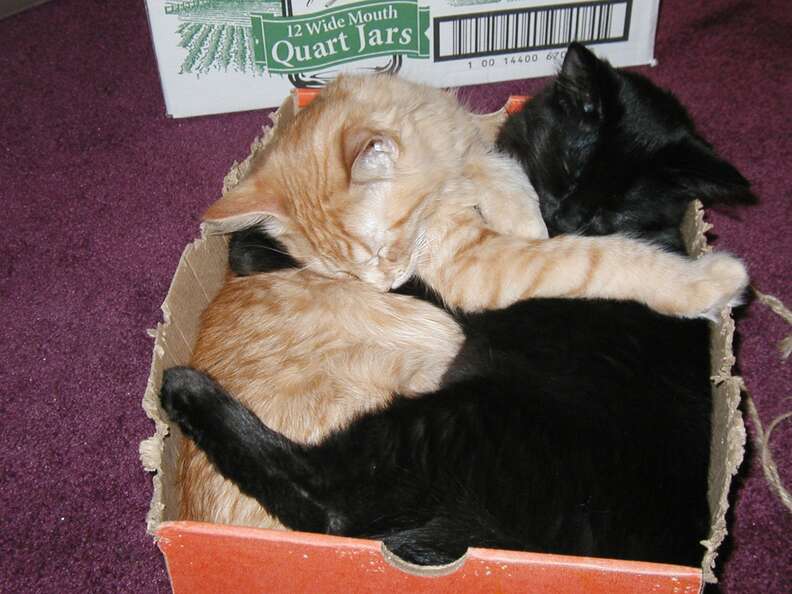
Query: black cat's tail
[[263, 464]]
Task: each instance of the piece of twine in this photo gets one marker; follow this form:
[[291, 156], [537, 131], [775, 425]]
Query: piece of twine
[[775, 305], [762, 436]]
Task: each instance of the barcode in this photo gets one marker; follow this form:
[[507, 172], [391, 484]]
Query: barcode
[[541, 27]]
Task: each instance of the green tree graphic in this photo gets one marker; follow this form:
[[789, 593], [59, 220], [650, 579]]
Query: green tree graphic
[[216, 33]]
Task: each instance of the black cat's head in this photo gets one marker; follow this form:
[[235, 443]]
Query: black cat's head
[[608, 151]]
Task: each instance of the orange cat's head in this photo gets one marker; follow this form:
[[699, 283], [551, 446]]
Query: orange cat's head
[[345, 183]]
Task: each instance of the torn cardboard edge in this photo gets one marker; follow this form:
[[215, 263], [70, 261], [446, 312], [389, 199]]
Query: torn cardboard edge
[[201, 273], [727, 445]]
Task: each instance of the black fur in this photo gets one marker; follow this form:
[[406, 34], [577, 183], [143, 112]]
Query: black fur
[[566, 426], [608, 152], [543, 438], [251, 251]]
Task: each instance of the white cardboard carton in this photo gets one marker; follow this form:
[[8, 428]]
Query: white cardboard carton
[[233, 55]]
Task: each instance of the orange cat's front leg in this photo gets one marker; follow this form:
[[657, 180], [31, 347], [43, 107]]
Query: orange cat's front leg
[[473, 268]]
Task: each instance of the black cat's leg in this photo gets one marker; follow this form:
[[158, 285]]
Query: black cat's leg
[[253, 251], [263, 463]]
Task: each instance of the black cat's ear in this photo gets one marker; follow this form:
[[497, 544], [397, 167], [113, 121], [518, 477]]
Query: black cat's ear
[[579, 79], [579, 61], [707, 177]]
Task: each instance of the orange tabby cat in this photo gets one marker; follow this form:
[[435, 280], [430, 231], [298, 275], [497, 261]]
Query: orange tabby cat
[[380, 179], [325, 338]]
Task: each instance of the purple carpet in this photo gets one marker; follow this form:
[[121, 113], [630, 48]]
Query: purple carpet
[[101, 192]]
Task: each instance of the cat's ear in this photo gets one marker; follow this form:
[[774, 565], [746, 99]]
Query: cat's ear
[[578, 59], [579, 79], [247, 204], [707, 177], [370, 156]]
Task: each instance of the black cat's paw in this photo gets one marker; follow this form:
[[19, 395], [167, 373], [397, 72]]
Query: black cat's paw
[[414, 549], [189, 397]]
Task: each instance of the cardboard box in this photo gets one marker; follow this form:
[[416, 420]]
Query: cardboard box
[[232, 55], [215, 558]]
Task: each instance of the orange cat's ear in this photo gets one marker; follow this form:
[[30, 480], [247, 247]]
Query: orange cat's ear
[[370, 156], [246, 204]]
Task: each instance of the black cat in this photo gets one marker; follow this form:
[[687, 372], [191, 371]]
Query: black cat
[[610, 152], [564, 426]]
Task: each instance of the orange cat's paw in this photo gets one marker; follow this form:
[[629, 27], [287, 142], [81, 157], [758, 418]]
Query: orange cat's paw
[[722, 282]]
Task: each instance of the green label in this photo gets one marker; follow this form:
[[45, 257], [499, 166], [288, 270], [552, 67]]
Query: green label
[[338, 35]]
